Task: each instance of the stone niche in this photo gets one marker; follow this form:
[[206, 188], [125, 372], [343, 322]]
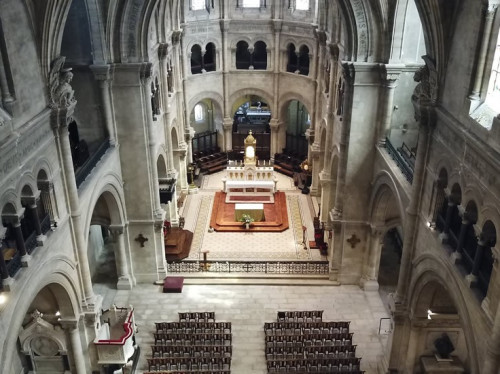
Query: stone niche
[[44, 346]]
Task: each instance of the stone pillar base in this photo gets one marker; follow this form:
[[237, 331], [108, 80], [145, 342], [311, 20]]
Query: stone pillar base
[[40, 240], [370, 285], [124, 283], [471, 280], [26, 260], [193, 190], [7, 284], [456, 257]]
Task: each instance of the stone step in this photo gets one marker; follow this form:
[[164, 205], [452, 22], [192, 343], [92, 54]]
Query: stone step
[[255, 279]]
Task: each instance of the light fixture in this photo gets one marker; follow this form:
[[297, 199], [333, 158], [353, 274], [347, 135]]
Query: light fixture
[[58, 313], [3, 299]]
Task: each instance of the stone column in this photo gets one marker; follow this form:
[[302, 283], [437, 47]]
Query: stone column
[[18, 232], [447, 221], [370, 282], [71, 327], [478, 257], [40, 238], [489, 16], [61, 117], [7, 98], [102, 74], [456, 256], [315, 155], [146, 77], [6, 279], [389, 76], [275, 128], [227, 127], [326, 186], [124, 282]]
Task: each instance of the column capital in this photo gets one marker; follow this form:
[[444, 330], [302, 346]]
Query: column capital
[[390, 73], [176, 37], [102, 72], [162, 51], [61, 117], [146, 73], [14, 218], [116, 229], [69, 324]]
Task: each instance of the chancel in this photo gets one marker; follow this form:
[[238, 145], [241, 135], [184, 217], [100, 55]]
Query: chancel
[[319, 176]]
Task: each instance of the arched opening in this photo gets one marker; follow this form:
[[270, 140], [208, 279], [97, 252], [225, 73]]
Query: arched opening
[[303, 60], [196, 59], [204, 119], [251, 113], [437, 316], [259, 56], [467, 245], [30, 222], [43, 345], [106, 246], [386, 240], [292, 64], [209, 63], [12, 243], [298, 120], [243, 55], [483, 259]]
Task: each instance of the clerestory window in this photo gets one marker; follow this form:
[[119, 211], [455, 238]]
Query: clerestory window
[[250, 3], [197, 4], [302, 4], [198, 113]]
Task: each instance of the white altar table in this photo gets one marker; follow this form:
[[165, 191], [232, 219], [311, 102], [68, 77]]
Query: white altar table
[[249, 186], [256, 211]]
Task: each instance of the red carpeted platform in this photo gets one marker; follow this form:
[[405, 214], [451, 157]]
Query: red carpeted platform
[[276, 216], [173, 284]]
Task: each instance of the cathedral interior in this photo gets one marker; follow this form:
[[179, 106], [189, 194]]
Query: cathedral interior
[[381, 115]]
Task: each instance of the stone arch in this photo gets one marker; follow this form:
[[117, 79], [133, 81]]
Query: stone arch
[[11, 199], [175, 138], [27, 180], [161, 166], [289, 96], [237, 95], [61, 280], [384, 180], [212, 95], [428, 271], [43, 164]]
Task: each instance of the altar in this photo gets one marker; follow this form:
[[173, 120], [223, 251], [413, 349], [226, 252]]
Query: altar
[[250, 182], [256, 211]]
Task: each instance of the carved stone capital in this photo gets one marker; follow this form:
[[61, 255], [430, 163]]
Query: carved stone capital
[[62, 117], [69, 324], [162, 51], [389, 74], [101, 72], [176, 36], [146, 73], [321, 36], [116, 229]]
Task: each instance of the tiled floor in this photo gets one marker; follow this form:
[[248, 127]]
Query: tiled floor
[[248, 307]]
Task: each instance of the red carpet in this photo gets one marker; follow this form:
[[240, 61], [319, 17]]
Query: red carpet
[[249, 198], [223, 216]]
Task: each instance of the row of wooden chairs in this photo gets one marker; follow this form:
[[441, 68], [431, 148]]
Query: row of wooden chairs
[[189, 363], [195, 327], [196, 316], [348, 365], [285, 353], [293, 327], [189, 371], [300, 316], [311, 339], [192, 339], [305, 331], [215, 351], [312, 369]]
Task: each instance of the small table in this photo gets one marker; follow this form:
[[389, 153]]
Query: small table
[[256, 211]]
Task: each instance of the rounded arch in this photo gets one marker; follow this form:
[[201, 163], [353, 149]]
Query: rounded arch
[[10, 203], [456, 194], [161, 166], [384, 180], [175, 137], [237, 95], [109, 188], [43, 165], [27, 180], [289, 96], [212, 95], [428, 270], [57, 273], [489, 213]]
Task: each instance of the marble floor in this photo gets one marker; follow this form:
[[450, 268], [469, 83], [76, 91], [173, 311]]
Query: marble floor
[[249, 306]]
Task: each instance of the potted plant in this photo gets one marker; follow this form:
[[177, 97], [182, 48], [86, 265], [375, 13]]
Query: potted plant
[[247, 220]]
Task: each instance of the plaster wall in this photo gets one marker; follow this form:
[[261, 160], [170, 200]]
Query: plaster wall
[[23, 57]]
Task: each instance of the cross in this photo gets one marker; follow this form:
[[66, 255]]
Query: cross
[[141, 239], [353, 240]]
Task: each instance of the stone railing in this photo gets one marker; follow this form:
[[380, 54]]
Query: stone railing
[[82, 173], [403, 164], [284, 267]]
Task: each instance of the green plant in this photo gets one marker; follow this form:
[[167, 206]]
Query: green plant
[[245, 218]]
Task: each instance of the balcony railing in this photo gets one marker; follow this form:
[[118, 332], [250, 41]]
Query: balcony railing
[[30, 242], [403, 162], [284, 267], [82, 173], [45, 224], [14, 264]]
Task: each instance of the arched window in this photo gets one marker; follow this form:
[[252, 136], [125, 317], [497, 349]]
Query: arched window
[[199, 115], [197, 4], [260, 56], [196, 59], [242, 55], [250, 3], [304, 60], [292, 64], [298, 4], [209, 57]]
